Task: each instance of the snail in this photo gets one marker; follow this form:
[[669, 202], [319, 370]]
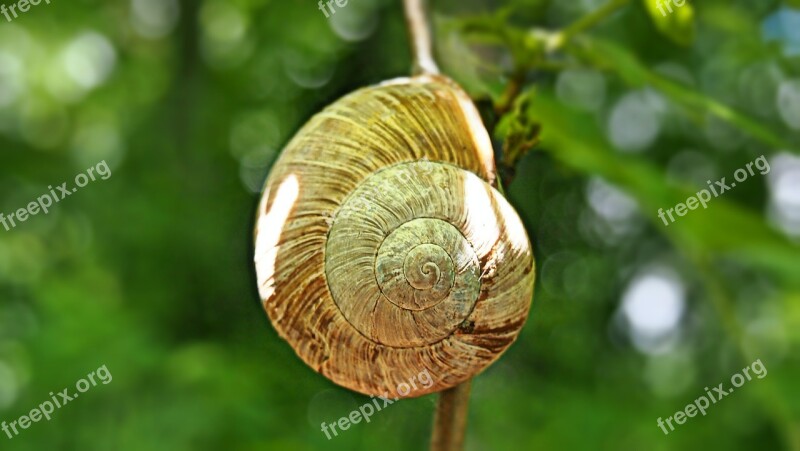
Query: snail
[[382, 245]]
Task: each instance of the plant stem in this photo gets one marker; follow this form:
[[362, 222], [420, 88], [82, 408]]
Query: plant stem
[[512, 91], [450, 423], [420, 34], [586, 22]]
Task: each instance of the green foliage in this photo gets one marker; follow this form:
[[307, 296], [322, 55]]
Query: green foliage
[[150, 272]]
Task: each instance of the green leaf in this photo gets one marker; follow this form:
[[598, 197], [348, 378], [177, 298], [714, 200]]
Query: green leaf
[[676, 22], [731, 231], [610, 56], [519, 134]]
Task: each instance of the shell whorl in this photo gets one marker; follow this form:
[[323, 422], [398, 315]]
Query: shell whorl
[[381, 249]]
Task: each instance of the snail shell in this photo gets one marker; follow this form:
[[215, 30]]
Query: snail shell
[[382, 249]]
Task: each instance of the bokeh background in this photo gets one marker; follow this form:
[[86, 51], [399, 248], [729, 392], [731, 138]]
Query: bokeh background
[[189, 102]]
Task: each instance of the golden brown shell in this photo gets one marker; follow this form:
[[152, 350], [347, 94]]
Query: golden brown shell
[[383, 251]]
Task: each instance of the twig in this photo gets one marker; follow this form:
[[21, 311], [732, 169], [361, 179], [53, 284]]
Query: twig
[[420, 34], [511, 92], [584, 23], [518, 143], [450, 424]]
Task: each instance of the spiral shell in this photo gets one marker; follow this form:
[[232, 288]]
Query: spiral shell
[[382, 249]]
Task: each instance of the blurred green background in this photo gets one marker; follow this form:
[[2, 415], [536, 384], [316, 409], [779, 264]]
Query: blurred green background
[[189, 103]]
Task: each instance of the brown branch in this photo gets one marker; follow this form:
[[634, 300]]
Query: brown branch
[[420, 34], [511, 92], [450, 424]]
